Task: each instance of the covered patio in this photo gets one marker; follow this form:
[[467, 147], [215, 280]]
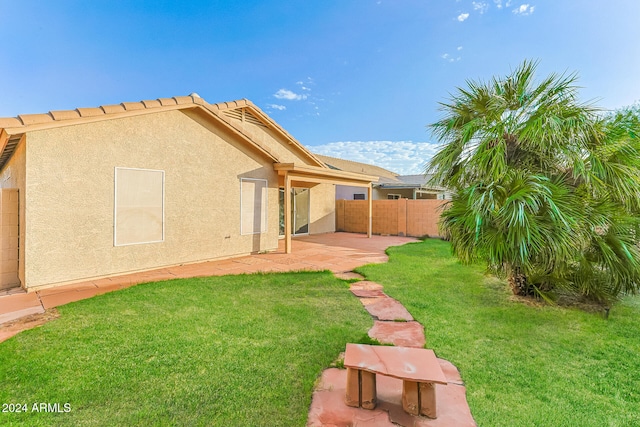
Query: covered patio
[[295, 175]]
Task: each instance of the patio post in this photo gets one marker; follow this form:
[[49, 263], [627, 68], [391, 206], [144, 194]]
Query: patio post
[[287, 213], [370, 198]]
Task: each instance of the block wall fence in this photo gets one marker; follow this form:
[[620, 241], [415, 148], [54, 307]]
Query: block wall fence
[[9, 238], [400, 217]]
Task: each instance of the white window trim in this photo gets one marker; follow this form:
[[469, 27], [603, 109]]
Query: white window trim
[[266, 213], [395, 196], [115, 206]]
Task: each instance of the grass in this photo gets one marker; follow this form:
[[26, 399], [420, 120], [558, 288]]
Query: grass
[[246, 350], [221, 351], [523, 364]]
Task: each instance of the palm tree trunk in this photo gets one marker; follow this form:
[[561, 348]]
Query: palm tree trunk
[[519, 283]]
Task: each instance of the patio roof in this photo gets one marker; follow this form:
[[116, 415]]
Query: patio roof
[[318, 175], [306, 175]]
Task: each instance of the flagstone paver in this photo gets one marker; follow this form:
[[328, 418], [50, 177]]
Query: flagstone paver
[[403, 334], [386, 309], [328, 407]]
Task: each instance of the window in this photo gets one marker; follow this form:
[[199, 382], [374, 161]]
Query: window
[[253, 206], [358, 196], [393, 196], [138, 206]]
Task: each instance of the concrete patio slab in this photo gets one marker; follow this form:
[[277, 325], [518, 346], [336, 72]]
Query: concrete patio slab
[[19, 313], [16, 305]]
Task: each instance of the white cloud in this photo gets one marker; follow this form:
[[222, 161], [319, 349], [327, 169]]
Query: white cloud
[[459, 48], [289, 95], [480, 6], [277, 107], [524, 9], [499, 3], [463, 16], [450, 58], [403, 157]]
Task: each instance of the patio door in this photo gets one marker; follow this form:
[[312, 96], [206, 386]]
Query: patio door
[[299, 211]]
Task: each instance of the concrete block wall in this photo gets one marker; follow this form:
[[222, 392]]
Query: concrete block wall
[[423, 217], [9, 238], [400, 217]]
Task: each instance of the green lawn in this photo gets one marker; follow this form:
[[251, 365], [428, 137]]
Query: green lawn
[[220, 351], [246, 350], [523, 365]]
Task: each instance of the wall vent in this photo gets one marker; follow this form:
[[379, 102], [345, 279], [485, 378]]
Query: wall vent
[[244, 115]]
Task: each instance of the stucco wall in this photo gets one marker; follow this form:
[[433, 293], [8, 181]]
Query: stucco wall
[[70, 196], [285, 153], [346, 192], [13, 175], [322, 215]]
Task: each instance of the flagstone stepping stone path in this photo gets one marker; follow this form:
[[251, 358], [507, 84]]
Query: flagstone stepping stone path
[[393, 324]]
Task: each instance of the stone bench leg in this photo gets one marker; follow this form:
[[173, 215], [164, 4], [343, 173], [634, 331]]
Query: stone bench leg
[[419, 398], [361, 389]]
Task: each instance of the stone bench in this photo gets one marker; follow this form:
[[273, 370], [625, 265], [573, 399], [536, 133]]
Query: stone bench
[[418, 369]]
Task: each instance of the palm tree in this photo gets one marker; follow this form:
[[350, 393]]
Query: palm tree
[[547, 189]]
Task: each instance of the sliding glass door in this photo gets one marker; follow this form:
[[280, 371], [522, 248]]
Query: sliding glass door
[[299, 211]]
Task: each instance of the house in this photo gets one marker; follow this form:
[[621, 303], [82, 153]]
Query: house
[[414, 187], [390, 185], [95, 192]]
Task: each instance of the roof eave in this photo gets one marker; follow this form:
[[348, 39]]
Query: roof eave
[[283, 168]]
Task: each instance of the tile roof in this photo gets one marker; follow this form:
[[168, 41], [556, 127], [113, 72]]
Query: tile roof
[[12, 128], [413, 181], [351, 166], [25, 120]]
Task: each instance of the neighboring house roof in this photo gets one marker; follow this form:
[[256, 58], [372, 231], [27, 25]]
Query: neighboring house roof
[[384, 175], [412, 181], [387, 179], [12, 129]]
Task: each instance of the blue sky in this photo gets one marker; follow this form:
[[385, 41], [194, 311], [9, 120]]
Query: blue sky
[[354, 79]]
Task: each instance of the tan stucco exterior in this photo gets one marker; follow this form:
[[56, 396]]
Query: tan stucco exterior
[[66, 163], [323, 213], [70, 194]]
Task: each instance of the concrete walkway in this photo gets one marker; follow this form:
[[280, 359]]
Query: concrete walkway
[[338, 252]]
